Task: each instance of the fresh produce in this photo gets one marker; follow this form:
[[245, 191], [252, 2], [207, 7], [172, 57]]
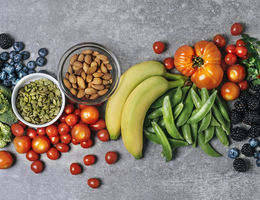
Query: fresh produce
[[61, 147], [75, 169], [236, 29], [6, 41], [52, 130], [71, 119], [89, 115], [239, 165], [32, 155], [229, 91], [111, 157], [6, 160], [219, 40], [99, 125], [22, 144], [233, 153], [89, 160], [17, 129], [236, 73], [230, 59], [168, 63], [5, 135], [200, 63], [53, 153], [230, 48], [128, 82], [93, 183], [103, 135], [158, 47], [66, 138], [241, 51], [37, 166], [243, 85], [80, 132], [87, 144], [41, 144]]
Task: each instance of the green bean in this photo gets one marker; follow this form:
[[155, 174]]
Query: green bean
[[209, 133], [169, 120], [177, 143], [205, 122], [222, 108], [214, 122], [195, 98], [194, 130], [184, 92], [206, 147], [158, 102], [221, 135], [161, 123], [186, 132], [220, 119], [176, 97], [167, 151], [152, 137]]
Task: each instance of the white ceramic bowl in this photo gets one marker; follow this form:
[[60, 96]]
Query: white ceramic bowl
[[26, 80]]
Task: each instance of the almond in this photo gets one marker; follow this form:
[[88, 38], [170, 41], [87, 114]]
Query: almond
[[95, 53], [94, 64], [88, 59], [107, 76], [72, 78], [89, 78], [85, 67], [97, 87], [94, 96], [73, 91], [81, 82], [97, 81], [102, 92], [67, 75], [74, 85], [102, 57], [73, 59], [67, 83], [109, 67], [81, 93], [98, 74], [77, 64], [81, 57], [90, 91], [103, 68], [70, 69], [87, 51], [83, 75]]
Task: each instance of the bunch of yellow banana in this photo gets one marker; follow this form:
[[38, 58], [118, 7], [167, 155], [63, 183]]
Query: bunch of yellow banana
[[126, 109]]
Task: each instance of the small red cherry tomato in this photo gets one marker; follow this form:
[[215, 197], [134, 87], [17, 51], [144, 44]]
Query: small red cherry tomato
[[243, 85], [66, 139], [80, 132], [236, 29], [230, 91], [87, 144], [81, 106], [230, 48], [240, 43], [100, 124], [75, 169], [32, 155], [62, 117], [219, 40], [63, 128], [241, 51], [41, 131], [77, 112], [55, 139], [6, 159], [93, 183], [89, 159], [103, 135], [111, 157], [74, 141], [37, 166], [41, 144], [168, 63], [69, 108], [245, 57], [22, 124], [31, 133], [71, 119], [230, 59], [61, 147], [52, 130], [53, 153], [22, 144], [158, 47], [17, 129]]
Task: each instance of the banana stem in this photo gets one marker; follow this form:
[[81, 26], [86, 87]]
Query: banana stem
[[172, 76], [178, 83]]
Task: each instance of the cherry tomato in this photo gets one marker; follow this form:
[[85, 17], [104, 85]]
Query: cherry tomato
[[103, 135], [62, 117], [63, 128], [17, 129], [89, 115], [219, 40], [93, 183], [80, 132], [100, 124], [236, 73], [158, 47], [111, 157], [55, 139], [87, 144], [75, 169], [245, 57], [37, 166], [66, 139], [71, 119], [41, 144], [241, 51], [6, 160], [61, 147], [22, 144], [230, 59], [243, 85], [230, 48], [31, 133], [77, 112], [240, 43], [69, 108], [41, 131], [53, 153], [89, 159], [32, 155], [168, 63], [22, 124], [236, 29], [74, 141], [81, 106], [52, 130], [224, 65], [230, 91]]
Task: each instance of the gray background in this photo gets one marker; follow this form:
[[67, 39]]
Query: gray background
[[128, 28]]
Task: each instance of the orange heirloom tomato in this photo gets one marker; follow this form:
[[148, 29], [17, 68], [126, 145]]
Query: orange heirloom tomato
[[203, 64]]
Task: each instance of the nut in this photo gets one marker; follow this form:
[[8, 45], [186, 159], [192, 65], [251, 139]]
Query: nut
[[89, 84], [89, 78], [67, 83], [73, 91], [70, 70], [107, 86], [75, 67], [98, 61], [90, 91], [88, 59], [85, 67], [81, 82], [67, 75], [94, 64], [72, 78], [74, 85], [102, 57], [105, 82], [102, 92], [109, 67], [98, 87], [98, 74], [91, 70], [78, 72], [107, 76], [73, 59], [87, 51], [77, 64], [95, 53], [97, 81], [81, 57], [83, 75], [103, 68], [106, 62], [94, 96], [81, 93]]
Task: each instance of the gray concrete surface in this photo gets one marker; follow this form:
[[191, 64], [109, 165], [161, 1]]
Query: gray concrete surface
[[128, 28]]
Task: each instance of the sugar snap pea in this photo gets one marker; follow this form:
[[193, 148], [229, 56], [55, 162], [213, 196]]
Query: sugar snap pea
[[152, 137], [221, 135], [176, 97], [155, 114], [149, 129], [213, 121], [158, 102], [186, 132], [167, 151], [205, 122], [209, 133], [225, 124], [184, 92], [161, 123], [222, 108], [177, 143], [204, 94], [169, 120], [177, 110], [195, 98], [206, 147], [194, 131]]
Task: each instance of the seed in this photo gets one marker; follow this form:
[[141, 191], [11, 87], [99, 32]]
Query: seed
[[98, 61], [107, 86], [94, 96], [73, 91], [94, 64], [76, 68], [89, 78], [81, 57], [97, 87], [88, 59], [89, 84], [90, 91], [91, 70], [85, 67], [98, 74], [81, 82], [109, 67], [73, 59], [78, 72], [77, 64], [72, 78], [81, 94], [107, 76], [97, 81], [67, 83], [105, 82], [102, 92], [106, 62], [70, 69], [88, 51], [103, 68], [83, 75]]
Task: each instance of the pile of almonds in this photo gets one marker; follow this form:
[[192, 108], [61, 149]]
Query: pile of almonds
[[88, 75]]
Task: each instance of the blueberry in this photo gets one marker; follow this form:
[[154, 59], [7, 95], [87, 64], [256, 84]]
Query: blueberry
[[7, 83], [25, 54], [31, 71], [3, 75], [254, 142], [25, 69], [15, 81], [43, 52], [9, 69], [4, 56], [21, 74], [11, 62], [12, 54], [258, 162], [18, 67], [40, 61], [233, 153], [31, 64], [18, 46], [10, 76], [17, 58]]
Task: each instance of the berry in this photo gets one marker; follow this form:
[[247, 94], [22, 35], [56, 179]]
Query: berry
[[258, 162], [3, 75], [4, 56], [43, 52], [254, 142], [18, 46], [233, 153], [5, 41], [239, 165], [238, 134], [31, 64], [40, 61], [247, 150], [240, 106], [254, 131], [244, 95], [17, 58], [31, 71], [251, 118], [10, 76], [12, 54], [9, 69], [18, 67], [235, 117], [255, 88], [253, 103], [25, 55], [15, 81], [7, 83], [25, 69], [11, 62], [21, 74]]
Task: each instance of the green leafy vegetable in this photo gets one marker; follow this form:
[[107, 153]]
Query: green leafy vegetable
[[5, 135]]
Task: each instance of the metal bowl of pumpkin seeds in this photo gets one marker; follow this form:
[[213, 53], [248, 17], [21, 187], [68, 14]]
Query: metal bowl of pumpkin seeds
[[37, 100]]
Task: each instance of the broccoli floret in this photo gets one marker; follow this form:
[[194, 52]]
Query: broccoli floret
[[5, 135]]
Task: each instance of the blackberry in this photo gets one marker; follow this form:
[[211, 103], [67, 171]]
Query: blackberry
[[240, 106], [244, 95], [5, 41], [238, 134], [254, 131], [239, 165], [252, 103], [255, 88], [235, 116], [251, 118], [247, 150]]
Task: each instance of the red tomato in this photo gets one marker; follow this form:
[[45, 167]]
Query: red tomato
[[230, 59], [61, 147], [22, 124], [63, 129], [89, 115], [87, 144], [100, 124], [55, 139], [41, 131], [103, 135], [41, 144], [230, 91], [224, 65], [245, 57], [243, 85], [22, 144], [37, 166], [77, 112], [219, 40], [62, 117], [6, 160], [32, 155], [89, 159], [81, 106], [31, 133], [230, 48], [236, 29], [240, 43], [236, 73], [93, 183], [74, 141], [52, 130], [168, 63], [66, 139], [69, 108], [241, 51], [71, 119], [75, 169], [111, 157], [53, 153], [80, 132], [158, 47], [17, 129]]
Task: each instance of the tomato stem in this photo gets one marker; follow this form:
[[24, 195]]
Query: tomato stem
[[197, 61]]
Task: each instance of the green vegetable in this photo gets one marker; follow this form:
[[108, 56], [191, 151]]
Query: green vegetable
[[194, 131], [222, 108], [205, 122], [176, 97], [177, 110], [209, 133], [152, 137], [206, 147], [186, 132], [158, 103], [177, 143], [220, 119], [214, 122], [5, 135], [221, 135], [195, 98]]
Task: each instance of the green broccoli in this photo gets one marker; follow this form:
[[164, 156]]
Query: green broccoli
[[5, 135]]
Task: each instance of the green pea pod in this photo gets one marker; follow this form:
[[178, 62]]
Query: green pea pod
[[206, 147], [158, 102], [147, 122], [194, 130], [204, 94], [161, 123], [149, 129], [167, 151], [195, 98], [221, 135], [177, 110], [209, 133], [186, 111], [155, 114], [152, 137], [203, 111], [222, 108], [214, 122], [176, 97], [177, 143], [184, 92], [205, 122], [186, 132], [169, 120], [220, 119]]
